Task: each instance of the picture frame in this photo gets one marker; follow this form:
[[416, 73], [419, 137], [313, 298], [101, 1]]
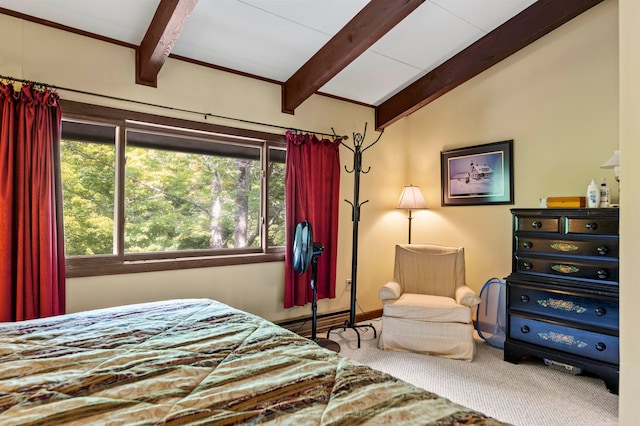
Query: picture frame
[[478, 175]]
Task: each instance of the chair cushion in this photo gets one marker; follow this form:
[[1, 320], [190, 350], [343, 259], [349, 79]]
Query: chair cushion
[[423, 307], [450, 340]]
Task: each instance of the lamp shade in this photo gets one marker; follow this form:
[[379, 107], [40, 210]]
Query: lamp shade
[[613, 163], [411, 199]]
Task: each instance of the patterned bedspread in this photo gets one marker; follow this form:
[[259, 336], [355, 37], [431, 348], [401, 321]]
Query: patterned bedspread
[[195, 362]]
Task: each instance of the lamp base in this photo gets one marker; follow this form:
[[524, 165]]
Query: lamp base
[[328, 344]]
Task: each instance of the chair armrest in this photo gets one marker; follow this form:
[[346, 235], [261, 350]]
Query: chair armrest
[[391, 290], [466, 296]]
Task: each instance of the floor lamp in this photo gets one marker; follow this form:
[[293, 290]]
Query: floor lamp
[[411, 199]]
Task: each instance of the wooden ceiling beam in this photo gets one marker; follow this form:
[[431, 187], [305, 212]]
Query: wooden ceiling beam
[[162, 34], [367, 27], [523, 29]]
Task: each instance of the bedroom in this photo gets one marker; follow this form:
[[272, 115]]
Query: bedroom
[[493, 106]]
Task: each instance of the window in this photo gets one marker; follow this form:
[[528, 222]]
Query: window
[[145, 193], [276, 213], [89, 181]]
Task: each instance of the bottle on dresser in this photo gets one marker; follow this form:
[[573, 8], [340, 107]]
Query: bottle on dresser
[[593, 195], [605, 194]]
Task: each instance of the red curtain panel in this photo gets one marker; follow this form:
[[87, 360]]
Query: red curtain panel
[[32, 270], [312, 194]]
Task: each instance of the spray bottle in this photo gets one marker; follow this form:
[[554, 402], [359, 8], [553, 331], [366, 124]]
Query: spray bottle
[[593, 195]]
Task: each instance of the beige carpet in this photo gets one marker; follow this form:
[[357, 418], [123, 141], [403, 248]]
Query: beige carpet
[[529, 393]]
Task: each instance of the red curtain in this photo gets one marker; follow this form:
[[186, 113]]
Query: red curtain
[[312, 193], [32, 271]]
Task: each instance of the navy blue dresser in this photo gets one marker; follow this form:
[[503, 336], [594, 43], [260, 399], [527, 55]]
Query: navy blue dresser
[[562, 294]]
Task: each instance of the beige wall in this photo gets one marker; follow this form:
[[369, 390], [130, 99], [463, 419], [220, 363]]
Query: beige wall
[[558, 99], [69, 61], [629, 224]]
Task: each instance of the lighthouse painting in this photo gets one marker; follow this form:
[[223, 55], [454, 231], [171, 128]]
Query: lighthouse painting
[[478, 175], [474, 175]]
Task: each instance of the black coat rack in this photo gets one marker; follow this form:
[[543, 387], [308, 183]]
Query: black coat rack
[[358, 149]]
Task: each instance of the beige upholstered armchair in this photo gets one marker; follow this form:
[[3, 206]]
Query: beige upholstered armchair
[[427, 308]]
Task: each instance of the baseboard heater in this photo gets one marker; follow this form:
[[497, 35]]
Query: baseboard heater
[[302, 325]]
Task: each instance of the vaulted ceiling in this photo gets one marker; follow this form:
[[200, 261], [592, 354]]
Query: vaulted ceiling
[[394, 55]]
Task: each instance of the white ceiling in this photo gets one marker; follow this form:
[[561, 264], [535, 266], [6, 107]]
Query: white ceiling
[[274, 38]]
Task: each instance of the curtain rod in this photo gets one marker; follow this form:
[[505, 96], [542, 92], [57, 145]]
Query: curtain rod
[[205, 114]]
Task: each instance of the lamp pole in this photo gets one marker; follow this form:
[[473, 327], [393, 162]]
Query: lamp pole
[[411, 198]]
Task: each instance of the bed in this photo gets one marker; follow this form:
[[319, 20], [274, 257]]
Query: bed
[[195, 361]]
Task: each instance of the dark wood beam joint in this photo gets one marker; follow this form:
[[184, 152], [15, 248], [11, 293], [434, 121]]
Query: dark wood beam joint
[[162, 34], [523, 29], [374, 20]]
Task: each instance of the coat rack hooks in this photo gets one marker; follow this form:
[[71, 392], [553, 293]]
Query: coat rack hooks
[[357, 150]]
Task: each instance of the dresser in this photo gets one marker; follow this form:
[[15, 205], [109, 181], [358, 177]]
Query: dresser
[[562, 293]]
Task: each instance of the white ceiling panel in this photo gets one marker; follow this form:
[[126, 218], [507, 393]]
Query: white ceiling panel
[[484, 14], [371, 78], [327, 16], [273, 38], [427, 37], [122, 20], [235, 35]]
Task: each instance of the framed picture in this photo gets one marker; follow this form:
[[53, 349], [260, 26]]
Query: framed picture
[[481, 174]]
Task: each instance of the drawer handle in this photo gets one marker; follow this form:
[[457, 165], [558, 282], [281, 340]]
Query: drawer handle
[[602, 274], [602, 250], [601, 346], [564, 247], [524, 298], [600, 311], [527, 244], [525, 329], [537, 224], [565, 269], [527, 265], [592, 226]]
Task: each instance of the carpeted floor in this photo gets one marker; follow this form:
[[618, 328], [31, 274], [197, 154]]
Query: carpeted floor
[[529, 393]]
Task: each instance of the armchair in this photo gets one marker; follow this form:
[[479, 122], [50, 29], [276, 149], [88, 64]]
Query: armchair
[[427, 308]]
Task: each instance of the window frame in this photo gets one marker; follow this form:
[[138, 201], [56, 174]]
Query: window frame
[[124, 263]]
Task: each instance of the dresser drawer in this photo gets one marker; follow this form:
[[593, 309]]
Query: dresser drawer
[[537, 224], [570, 307], [594, 226], [603, 272], [602, 248], [588, 344]]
